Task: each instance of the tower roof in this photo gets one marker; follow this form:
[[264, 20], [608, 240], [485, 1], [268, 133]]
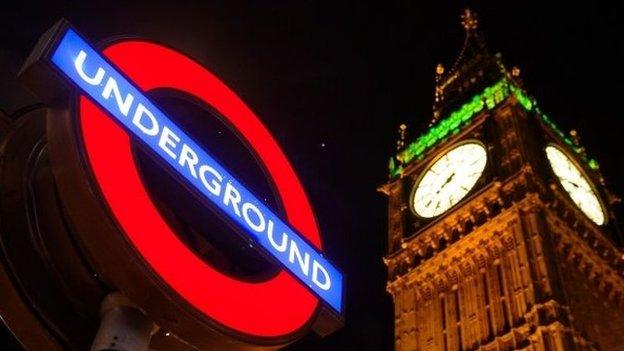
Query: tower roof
[[476, 82], [474, 68]]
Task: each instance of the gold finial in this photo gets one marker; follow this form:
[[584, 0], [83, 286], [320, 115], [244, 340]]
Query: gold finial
[[402, 136], [469, 20], [439, 69], [438, 90], [575, 137]]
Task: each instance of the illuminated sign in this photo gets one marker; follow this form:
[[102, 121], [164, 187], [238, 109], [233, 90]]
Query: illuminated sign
[[125, 102]]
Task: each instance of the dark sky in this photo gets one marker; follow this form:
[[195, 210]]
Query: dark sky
[[345, 75]]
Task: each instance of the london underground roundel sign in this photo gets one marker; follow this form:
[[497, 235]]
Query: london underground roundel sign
[[113, 111]]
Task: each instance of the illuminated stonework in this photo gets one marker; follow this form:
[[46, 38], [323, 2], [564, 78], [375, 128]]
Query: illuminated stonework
[[451, 125], [516, 264]]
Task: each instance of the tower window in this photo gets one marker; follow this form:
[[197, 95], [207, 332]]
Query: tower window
[[486, 302], [457, 310], [460, 347], [501, 286], [443, 311], [486, 292]]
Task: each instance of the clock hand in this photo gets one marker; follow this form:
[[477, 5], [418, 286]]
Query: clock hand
[[448, 180], [575, 184]]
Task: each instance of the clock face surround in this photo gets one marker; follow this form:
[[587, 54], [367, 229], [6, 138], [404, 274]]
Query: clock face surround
[[448, 179], [576, 183]]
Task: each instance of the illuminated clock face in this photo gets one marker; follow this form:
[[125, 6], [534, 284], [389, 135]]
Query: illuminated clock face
[[449, 179], [576, 184]]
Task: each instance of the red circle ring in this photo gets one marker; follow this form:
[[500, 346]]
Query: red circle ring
[[273, 308]]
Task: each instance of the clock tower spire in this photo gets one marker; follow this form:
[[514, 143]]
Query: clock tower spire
[[474, 68], [469, 21], [501, 234]]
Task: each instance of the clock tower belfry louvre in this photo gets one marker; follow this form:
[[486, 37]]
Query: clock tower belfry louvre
[[501, 234]]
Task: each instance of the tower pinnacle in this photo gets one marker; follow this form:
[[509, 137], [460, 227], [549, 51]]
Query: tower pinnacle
[[474, 68], [469, 20]]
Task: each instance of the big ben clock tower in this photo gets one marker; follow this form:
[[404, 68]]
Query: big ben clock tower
[[501, 234]]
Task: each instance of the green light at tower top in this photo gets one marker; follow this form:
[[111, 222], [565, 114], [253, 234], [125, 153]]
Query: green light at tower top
[[489, 98]]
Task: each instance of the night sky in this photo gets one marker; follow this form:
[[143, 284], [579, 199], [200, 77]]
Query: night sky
[[332, 81]]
